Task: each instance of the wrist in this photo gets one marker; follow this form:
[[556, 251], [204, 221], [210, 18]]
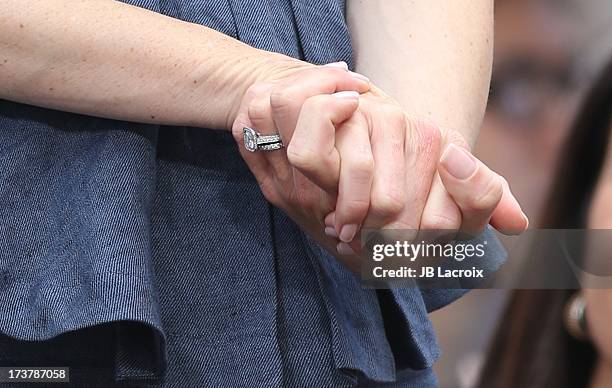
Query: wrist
[[263, 67]]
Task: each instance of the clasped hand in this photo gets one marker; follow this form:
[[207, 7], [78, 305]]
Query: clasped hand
[[354, 159]]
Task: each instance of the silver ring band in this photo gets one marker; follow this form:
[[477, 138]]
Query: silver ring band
[[270, 146], [254, 141]]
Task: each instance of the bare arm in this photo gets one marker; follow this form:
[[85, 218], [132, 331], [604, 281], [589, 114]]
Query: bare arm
[[109, 59], [434, 57]]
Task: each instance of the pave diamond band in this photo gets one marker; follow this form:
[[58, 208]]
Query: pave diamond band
[[254, 141], [268, 139], [270, 146]]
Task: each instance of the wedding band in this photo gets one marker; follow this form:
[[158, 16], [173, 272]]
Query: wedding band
[[254, 141]]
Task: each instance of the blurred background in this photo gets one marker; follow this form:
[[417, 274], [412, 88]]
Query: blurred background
[[546, 55]]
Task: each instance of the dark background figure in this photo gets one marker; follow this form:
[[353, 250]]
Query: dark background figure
[[534, 345], [547, 53]]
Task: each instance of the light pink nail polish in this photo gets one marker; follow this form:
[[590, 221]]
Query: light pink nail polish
[[331, 231], [340, 65], [348, 94], [344, 249], [347, 233], [359, 76]]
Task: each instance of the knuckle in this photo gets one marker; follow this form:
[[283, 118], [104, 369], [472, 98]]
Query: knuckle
[[257, 90], [259, 109], [361, 169], [281, 98], [393, 114], [441, 222], [387, 204], [315, 104], [330, 71], [355, 207], [489, 198], [301, 157], [397, 140], [426, 135]]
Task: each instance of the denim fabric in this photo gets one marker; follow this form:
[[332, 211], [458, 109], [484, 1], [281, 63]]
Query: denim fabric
[[141, 254]]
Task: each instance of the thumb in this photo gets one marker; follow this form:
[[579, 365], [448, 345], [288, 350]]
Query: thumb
[[481, 194]]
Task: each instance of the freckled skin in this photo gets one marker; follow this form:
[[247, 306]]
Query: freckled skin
[[124, 53]]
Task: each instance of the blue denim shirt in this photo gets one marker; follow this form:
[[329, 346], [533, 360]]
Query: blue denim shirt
[[141, 253]]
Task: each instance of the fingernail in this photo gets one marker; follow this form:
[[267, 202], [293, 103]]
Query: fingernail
[[344, 249], [331, 231], [341, 65], [349, 94], [347, 233], [526, 221], [458, 162], [359, 76]]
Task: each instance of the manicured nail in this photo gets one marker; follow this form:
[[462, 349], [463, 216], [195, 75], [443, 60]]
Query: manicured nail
[[347, 233], [458, 162], [348, 94], [359, 76], [341, 65], [344, 249], [331, 231]]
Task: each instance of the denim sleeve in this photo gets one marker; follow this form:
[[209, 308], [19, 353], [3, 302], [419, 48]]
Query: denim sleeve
[[408, 329], [495, 257]]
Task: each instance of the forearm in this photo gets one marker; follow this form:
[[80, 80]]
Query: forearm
[[433, 57], [108, 59]]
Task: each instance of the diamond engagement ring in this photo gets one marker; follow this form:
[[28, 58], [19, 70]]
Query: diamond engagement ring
[[254, 141]]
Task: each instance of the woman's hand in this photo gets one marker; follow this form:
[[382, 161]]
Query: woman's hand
[[331, 95]]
